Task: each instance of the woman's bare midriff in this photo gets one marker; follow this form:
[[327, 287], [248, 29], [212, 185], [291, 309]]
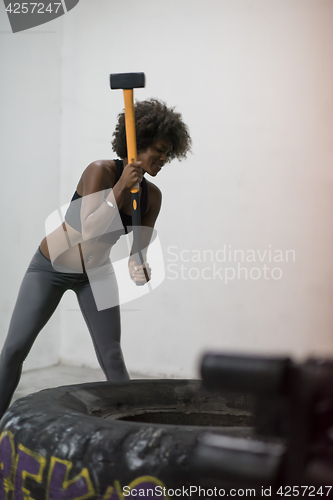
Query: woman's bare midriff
[[68, 249]]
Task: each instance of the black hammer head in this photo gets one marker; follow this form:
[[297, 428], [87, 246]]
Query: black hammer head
[[127, 80]]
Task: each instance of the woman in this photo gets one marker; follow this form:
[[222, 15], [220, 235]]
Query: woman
[[68, 258]]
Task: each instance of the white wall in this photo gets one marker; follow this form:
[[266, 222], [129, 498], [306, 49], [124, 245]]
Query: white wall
[[30, 140], [253, 79]]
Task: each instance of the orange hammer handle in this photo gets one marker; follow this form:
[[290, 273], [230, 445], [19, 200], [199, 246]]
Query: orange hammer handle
[[132, 156], [130, 130]]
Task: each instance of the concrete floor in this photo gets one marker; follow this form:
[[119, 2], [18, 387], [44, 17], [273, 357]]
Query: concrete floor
[[55, 376]]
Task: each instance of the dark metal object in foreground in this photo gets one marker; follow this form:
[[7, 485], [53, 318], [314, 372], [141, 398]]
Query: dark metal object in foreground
[[293, 424]]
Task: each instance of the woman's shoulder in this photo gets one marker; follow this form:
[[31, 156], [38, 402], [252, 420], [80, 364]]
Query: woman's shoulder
[[101, 167], [101, 173], [154, 193]]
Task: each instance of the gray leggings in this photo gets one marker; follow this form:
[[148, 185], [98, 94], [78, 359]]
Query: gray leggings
[[40, 293]]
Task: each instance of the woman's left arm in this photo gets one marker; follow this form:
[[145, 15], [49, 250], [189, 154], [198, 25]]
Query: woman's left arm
[[147, 227]]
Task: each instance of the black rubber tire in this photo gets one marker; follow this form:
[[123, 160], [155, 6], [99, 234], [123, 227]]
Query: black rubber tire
[[90, 440]]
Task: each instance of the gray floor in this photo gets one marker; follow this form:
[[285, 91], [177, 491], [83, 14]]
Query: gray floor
[[55, 376]]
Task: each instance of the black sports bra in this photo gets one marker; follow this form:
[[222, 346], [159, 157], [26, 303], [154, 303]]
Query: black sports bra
[[73, 216]]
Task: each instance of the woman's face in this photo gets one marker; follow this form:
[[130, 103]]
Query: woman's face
[[155, 156]]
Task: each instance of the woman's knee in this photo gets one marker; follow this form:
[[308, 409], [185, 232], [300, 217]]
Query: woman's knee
[[12, 355], [113, 351]]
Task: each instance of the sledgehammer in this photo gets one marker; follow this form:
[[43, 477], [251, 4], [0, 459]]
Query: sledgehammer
[[127, 82]]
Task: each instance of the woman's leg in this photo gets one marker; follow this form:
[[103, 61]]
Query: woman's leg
[[37, 300], [104, 328]]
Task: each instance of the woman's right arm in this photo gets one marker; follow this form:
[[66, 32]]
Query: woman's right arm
[[96, 214]]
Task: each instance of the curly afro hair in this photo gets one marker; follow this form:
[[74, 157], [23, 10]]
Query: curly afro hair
[[154, 121]]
